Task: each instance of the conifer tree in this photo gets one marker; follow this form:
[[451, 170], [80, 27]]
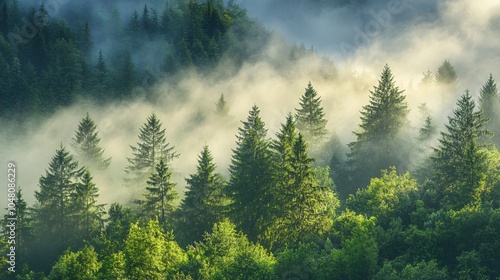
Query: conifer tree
[[302, 207], [54, 211], [160, 194], [89, 214], [250, 175], [427, 131], [446, 73], [86, 145], [378, 142], [221, 107], [204, 202], [310, 117], [459, 163], [489, 103], [152, 148], [101, 77]]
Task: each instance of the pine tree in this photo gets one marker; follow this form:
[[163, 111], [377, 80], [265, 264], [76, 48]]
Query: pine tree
[[427, 131], [446, 73], [101, 77], [489, 102], [86, 41], [302, 207], [250, 175], [148, 153], [135, 25], [204, 202], [160, 194], [378, 142], [89, 214], [126, 76], [459, 163], [310, 117], [146, 22], [221, 107], [86, 145], [427, 79], [54, 211]]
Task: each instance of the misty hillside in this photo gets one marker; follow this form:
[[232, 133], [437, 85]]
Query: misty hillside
[[190, 139]]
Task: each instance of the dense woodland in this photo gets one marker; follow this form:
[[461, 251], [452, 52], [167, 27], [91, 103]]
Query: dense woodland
[[366, 211]]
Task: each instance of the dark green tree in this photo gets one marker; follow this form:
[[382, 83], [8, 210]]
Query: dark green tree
[[160, 195], [459, 162], [427, 131], [152, 148], [54, 225], [310, 117], [89, 215], [118, 224], [378, 142], [446, 73], [489, 102], [86, 144], [204, 202], [101, 78], [302, 207], [86, 40], [250, 175], [126, 76]]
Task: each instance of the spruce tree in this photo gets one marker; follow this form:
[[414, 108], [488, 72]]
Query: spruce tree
[[378, 142], [459, 163], [302, 207], [89, 214], [427, 131], [160, 194], [310, 117], [54, 210], [446, 73], [86, 145], [489, 104], [101, 77], [152, 148], [204, 202], [221, 107], [250, 175]]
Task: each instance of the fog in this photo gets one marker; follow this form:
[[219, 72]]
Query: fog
[[417, 38]]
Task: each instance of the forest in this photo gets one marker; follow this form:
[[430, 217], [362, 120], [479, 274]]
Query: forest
[[186, 140]]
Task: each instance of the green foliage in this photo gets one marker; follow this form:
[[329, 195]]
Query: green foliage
[[86, 144], [379, 143], [83, 264], [446, 73], [119, 221], [459, 162], [418, 271], [148, 153], [386, 197], [160, 194], [221, 107], [489, 103], [250, 175], [151, 254], [310, 117], [227, 254], [204, 203]]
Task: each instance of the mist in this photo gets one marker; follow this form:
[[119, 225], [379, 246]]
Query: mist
[[415, 39]]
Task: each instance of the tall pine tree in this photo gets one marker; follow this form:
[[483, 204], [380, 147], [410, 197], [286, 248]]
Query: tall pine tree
[[378, 142], [204, 201], [160, 195], [148, 153], [459, 163], [250, 175], [310, 117], [446, 73], [489, 103], [86, 145]]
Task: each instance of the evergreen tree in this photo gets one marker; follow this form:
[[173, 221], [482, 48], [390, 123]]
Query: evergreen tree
[[148, 153], [489, 103], [86, 39], [250, 175], [427, 79], [126, 76], [101, 77], [378, 142], [221, 107], [135, 25], [54, 211], [160, 194], [146, 22], [86, 145], [89, 214], [427, 131], [204, 203], [459, 163], [446, 73], [302, 207], [310, 117]]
